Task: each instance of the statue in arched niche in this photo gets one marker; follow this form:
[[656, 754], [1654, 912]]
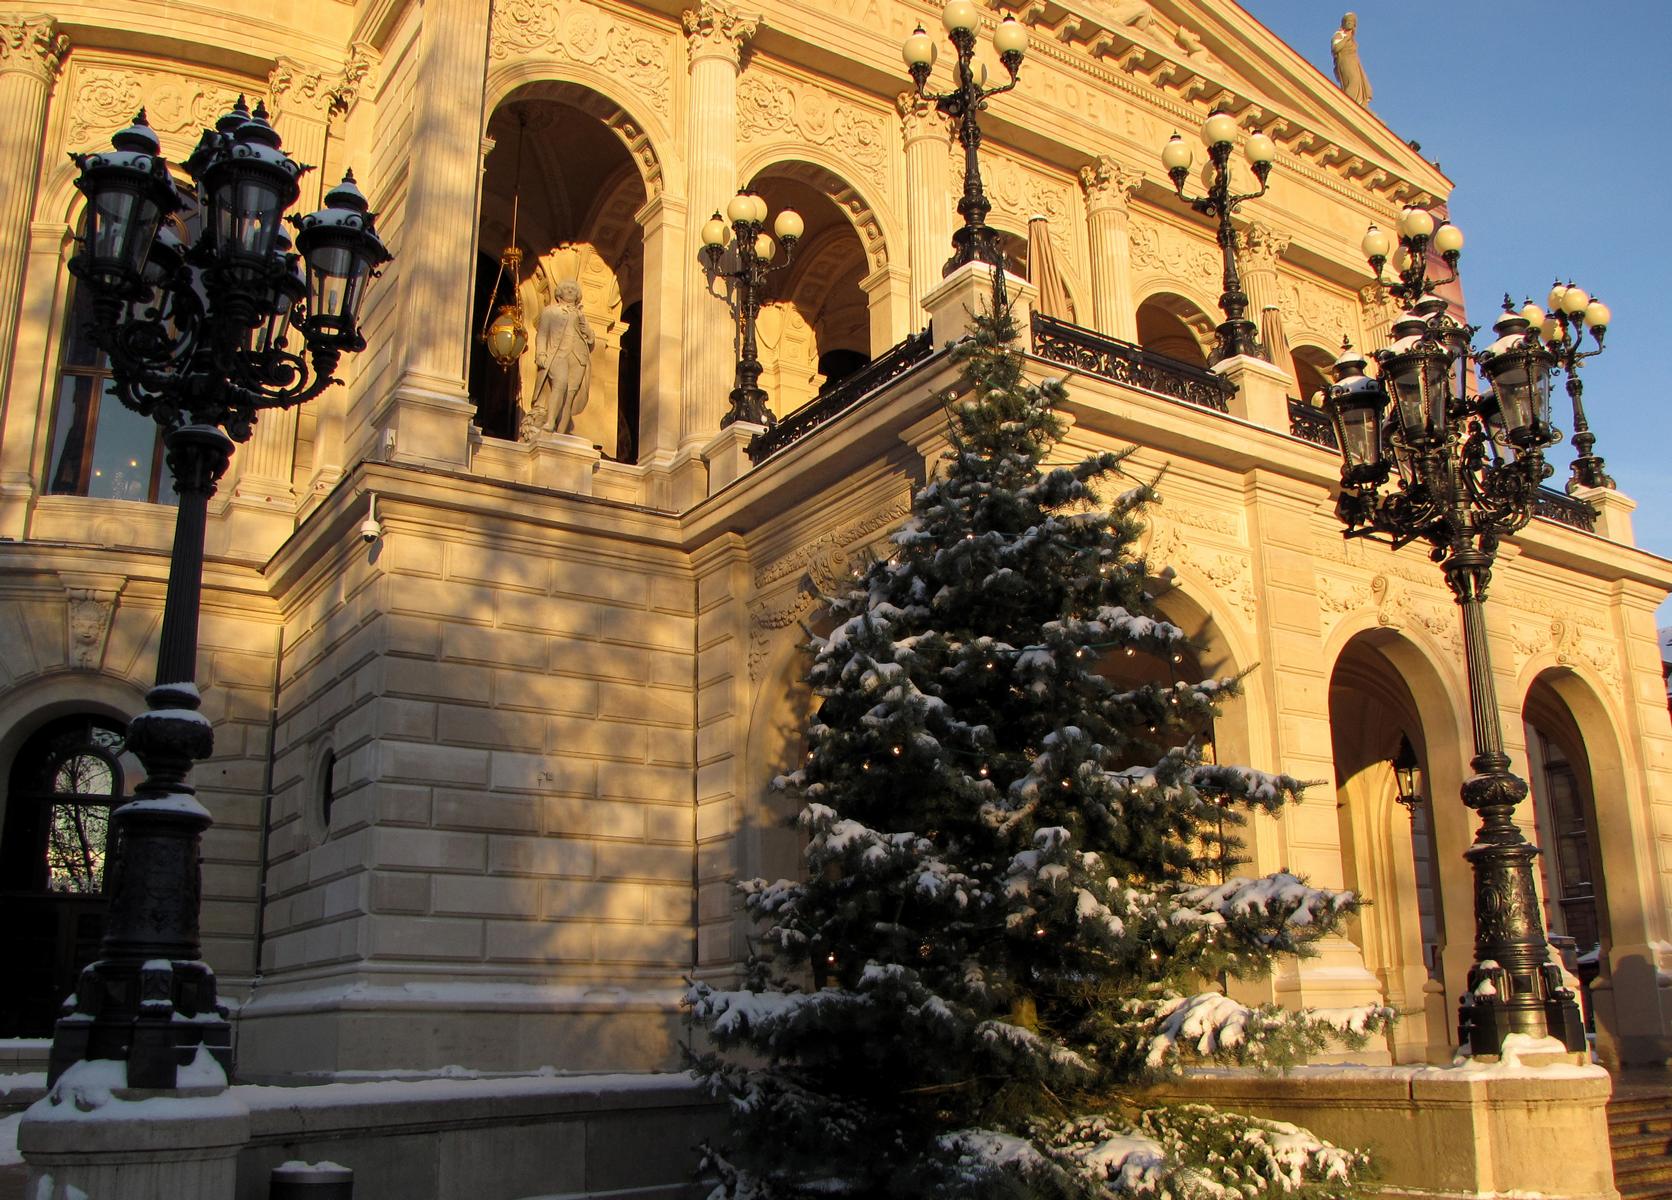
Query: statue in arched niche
[[563, 342]]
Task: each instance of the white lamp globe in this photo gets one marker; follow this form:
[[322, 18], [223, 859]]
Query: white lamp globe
[[960, 15], [1448, 239], [1377, 243], [919, 49], [714, 231], [1176, 154], [1010, 37], [1597, 315], [1260, 148], [740, 207], [789, 225], [1416, 222], [1574, 301], [1220, 127], [765, 247]]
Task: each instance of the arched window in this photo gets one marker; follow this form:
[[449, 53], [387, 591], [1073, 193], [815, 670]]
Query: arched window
[[54, 855]]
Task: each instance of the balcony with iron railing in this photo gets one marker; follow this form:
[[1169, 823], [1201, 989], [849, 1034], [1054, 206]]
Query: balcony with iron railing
[[1093, 354]]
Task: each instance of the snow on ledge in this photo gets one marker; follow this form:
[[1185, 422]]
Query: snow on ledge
[[475, 995]]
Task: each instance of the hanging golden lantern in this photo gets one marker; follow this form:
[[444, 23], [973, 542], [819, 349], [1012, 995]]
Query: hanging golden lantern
[[505, 334]]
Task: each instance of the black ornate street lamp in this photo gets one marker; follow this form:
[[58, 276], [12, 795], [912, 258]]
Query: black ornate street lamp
[[197, 337], [975, 240], [1236, 334], [1419, 231], [1424, 460], [755, 251], [1572, 311], [1407, 777]]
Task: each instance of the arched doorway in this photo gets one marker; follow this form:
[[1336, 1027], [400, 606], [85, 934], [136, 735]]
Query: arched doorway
[[1571, 880], [1311, 369], [1171, 325], [1396, 853], [563, 176], [54, 851]]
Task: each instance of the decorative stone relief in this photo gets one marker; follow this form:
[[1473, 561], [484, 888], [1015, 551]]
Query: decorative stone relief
[[1108, 184], [635, 55], [1397, 608], [1572, 646], [1261, 247], [32, 45], [176, 106], [822, 565], [1337, 596], [90, 600], [1227, 571], [714, 28], [1307, 308], [768, 106], [1162, 250], [1379, 310], [1018, 194]]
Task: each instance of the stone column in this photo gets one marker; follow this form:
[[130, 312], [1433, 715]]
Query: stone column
[[429, 412], [929, 202], [31, 53], [1109, 187], [663, 221], [1258, 249], [716, 36]]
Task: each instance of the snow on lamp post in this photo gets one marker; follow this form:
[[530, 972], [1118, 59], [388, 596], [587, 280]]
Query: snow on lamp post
[[974, 240], [1236, 334], [198, 339], [755, 251], [1424, 460]]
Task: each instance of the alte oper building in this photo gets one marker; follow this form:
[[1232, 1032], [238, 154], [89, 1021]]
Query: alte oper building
[[490, 755]]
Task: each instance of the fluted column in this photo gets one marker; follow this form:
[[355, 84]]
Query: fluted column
[[31, 53], [929, 201], [716, 36], [1258, 249], [1109, 187], [436, 254]]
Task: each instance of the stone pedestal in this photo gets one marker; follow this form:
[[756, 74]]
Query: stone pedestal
[[727, 453], [1614, 509], [1467, 1133], [967, 293], [1262, 391], [88, 1140], [563, 461]]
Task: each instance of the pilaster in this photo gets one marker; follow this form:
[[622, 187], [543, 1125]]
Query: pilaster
[[32, 51], [1109, 187], [929, 201], [1294, 678], [716, 36], [22, 425], [663, 220], [893, 314], [438, 238]]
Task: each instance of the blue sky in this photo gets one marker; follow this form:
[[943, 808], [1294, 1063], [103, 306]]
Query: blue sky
[[1552, 121]]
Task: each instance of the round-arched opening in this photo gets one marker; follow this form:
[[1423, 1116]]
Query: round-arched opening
[[55, 852], [561, 175], [816, 313], [1311, 369], [1173, 326], [1565, 815]]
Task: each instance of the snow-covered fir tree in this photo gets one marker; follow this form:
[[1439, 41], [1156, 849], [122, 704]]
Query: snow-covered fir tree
[[1016, 911]]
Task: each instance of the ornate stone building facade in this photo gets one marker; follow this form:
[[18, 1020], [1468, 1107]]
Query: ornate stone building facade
[[482, 787]]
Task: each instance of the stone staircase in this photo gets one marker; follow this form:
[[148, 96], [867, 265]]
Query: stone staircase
[[1640, 1131]]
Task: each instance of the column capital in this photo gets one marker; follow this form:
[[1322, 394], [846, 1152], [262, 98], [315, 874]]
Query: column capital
[[31, 44], [715, 30], [1261, 246], [918, 118], [1109, 185], [296, 88]]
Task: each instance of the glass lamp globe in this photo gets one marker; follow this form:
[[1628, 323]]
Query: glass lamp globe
[[1377, 243], [1448, 239], [1260, 148], [960, 15], [506, 338], [1010, 37], [789, 226], [714, 232], [919, 49], [1416, 222], [1574, 300], [1176, 155], [1219, 128], [740, 207], [1597, 315]]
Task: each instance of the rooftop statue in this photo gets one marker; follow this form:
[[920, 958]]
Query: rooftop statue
[[1349, 72]]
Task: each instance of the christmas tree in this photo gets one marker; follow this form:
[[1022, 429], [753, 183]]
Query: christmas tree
[[1017, 911]]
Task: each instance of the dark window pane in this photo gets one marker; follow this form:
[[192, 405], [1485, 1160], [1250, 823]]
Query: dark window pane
[[124, 451], [79, 350], [72, 428]]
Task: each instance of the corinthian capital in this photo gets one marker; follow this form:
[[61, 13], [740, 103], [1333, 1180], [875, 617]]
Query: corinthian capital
[[32, 45], [296, 87], [919, 118], [1261, 246], [717, 31], [1108, 184]]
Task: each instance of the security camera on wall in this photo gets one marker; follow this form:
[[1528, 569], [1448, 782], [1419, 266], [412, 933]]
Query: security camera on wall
[[371, 528]]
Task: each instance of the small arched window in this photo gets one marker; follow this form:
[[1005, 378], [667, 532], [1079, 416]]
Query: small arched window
[[57, 832]]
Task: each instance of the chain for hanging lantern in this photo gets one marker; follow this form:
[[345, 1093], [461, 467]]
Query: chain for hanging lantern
[[505, 332]]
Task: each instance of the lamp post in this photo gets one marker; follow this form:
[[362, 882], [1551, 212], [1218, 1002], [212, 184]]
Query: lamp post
[[1236, 333], [1467, 470], [1572, 311], [755, 251], [974, 240], [197, 337]]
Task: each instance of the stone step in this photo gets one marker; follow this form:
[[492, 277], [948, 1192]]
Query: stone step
[[1640, 1145], [1645, 1171]]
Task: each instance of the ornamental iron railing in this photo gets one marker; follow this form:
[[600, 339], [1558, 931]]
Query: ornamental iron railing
[[1311, 424], [1122, 362], [834, 401], [1565, 510]]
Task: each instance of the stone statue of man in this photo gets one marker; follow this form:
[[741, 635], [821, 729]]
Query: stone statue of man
[[1349, 72], [562, 360]]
